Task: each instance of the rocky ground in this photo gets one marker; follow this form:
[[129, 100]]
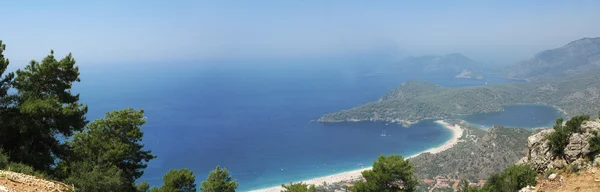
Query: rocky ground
[[13, 182], [576, 171], [584, 180]]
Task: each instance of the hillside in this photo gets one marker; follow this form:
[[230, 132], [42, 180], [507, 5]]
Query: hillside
[[479, 154], [573, 58], [455, 64], [414, 101]]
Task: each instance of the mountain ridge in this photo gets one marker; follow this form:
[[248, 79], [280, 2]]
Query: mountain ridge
[[575, 57]]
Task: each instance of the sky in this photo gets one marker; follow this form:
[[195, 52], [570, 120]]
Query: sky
[[139, 31]]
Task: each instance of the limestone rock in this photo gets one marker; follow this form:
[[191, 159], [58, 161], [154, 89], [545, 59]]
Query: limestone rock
[[552, 176], [539, 155], [578, 146], [527, 189], [576, 150]]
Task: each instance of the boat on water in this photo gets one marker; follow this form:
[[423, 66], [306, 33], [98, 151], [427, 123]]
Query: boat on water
[[383, 133]]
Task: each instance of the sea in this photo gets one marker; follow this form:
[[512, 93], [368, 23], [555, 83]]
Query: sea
[[256, 118]]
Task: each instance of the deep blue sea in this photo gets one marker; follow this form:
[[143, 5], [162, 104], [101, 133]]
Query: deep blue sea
[[254, 117]]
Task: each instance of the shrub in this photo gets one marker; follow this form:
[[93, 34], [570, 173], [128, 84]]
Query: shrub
[[3, 160], [298, 187], [20, 168], [512, 178], [559, 139], [392, 173]]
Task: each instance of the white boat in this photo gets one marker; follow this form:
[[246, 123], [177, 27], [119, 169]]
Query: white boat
[[383, 133]]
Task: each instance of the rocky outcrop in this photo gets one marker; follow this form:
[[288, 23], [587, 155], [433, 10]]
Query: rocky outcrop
[[11, 181], [576, 151]]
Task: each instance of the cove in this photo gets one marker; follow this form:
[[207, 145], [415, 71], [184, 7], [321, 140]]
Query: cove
[[522, 116]]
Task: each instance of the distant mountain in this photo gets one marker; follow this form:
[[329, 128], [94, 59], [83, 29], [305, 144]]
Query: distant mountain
[[451, 64], [574, 58]]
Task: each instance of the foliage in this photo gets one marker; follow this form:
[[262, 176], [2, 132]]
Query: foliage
[[20, 168], [392, 173], [96, 178], [42, 111], [482, 153], [463, 186], [181, 180], [112, 142], [5, 80], [512, 178], [594, 143], [3, 160], [219, 181], [142, 187], [559, 139], [299, 187], [574, 124]]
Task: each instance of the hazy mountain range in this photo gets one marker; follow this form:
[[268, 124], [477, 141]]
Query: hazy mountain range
[[576, 57], [454, 64]]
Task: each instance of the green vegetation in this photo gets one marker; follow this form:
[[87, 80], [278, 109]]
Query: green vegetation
[[512, 178], [481, 154], [559, 139], [181, 180], [219, 181], [392, 173], [414, 101], [299, 187], [594, 145]]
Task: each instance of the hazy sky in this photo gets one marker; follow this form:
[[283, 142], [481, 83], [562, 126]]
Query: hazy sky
[[108, 31]]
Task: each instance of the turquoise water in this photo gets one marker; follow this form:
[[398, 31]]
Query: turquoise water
[[254, 117]]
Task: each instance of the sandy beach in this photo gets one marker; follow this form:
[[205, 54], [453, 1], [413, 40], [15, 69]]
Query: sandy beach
[[355, 174]]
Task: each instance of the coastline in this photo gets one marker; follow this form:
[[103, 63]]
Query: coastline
[[457, 132]]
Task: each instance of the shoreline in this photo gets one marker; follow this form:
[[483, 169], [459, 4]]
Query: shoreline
[[457, 132]]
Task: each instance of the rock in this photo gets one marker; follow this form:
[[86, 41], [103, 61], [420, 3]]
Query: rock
[[578, 146], [539, 155], [552, 177], [527, 189]]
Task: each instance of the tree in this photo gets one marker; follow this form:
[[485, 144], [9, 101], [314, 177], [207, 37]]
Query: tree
[[392, 173], [5, 80], [512, 178], [142, 187], [559, 138], [96, 178], [594, 143], [219, 181], [463, 186], [181, 180], [574, 124], [299, 187], [115, 141], [42, 111]]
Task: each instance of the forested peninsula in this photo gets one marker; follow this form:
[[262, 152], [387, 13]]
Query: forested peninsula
[[413, 101]]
